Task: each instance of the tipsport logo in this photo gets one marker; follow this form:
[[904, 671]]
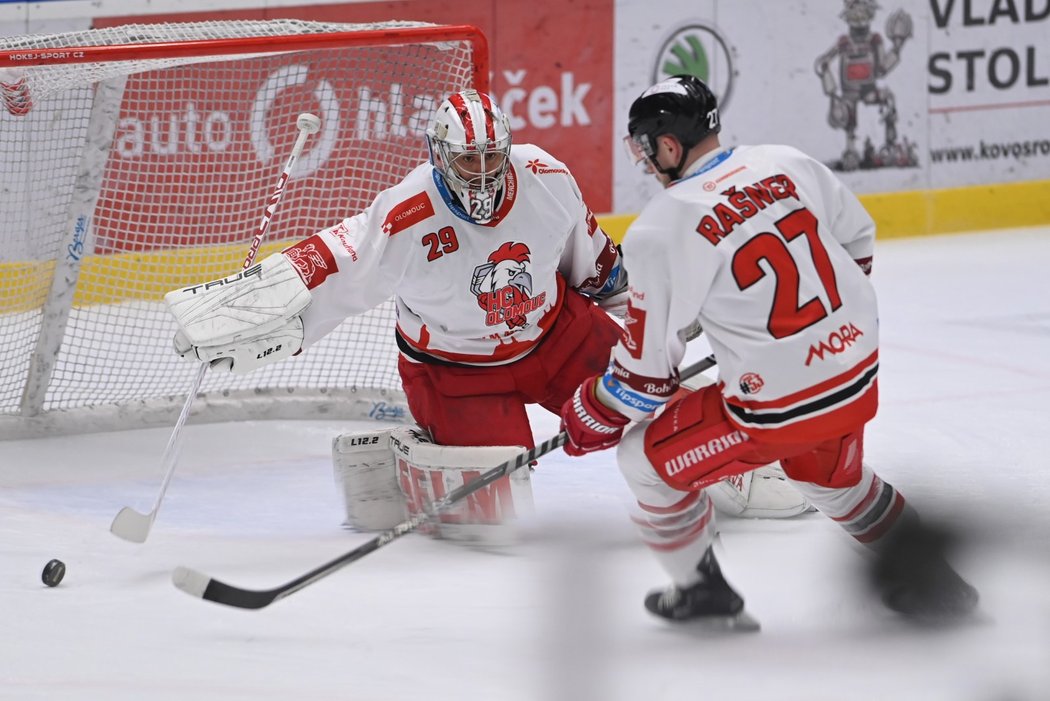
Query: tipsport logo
[[698, 50], [503, 286]]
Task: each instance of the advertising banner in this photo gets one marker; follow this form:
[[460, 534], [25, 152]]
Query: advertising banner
[[896, 96], [551, 61]]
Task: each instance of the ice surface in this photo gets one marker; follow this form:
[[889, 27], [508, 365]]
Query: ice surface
[[962, 432]]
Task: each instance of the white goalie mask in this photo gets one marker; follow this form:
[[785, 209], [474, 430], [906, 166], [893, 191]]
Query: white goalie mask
[[469, 143]]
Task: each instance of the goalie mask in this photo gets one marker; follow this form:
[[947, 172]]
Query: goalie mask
[[681, 106], [469, 142]]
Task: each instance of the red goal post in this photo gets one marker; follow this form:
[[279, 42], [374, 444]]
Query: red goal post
[[139, 158]]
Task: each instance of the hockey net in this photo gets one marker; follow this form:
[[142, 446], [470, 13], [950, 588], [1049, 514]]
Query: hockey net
[[140, 158]]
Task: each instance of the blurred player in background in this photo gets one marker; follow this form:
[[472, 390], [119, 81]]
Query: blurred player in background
[[770, 253]]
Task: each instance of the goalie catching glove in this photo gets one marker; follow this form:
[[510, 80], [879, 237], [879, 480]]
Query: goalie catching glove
[[588, 424], [243, 321]]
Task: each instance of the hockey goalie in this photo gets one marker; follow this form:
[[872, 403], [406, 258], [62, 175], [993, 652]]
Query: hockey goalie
[[503, 283]]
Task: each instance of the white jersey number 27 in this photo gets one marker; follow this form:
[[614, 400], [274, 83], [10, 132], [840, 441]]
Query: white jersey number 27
[[788, 316]]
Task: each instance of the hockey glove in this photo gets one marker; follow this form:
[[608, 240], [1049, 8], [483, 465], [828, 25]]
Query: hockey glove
[[245, 320], [589, 424]]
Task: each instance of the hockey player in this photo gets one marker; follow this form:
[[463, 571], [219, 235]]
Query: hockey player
[[771, 254], [496, 265]]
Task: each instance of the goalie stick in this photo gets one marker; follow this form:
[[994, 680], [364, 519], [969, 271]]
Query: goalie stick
[[129, 524], [202, 586]]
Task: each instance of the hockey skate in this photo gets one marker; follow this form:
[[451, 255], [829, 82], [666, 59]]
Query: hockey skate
[[915, 580], [710, 602]]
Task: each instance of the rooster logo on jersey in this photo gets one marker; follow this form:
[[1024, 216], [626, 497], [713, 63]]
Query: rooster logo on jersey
[[313, 260], [503, 286]]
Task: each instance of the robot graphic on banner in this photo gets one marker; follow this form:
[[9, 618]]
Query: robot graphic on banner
[[862, 59]]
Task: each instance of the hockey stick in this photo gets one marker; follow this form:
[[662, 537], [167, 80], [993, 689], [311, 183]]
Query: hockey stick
[[202, 586], [129, 524]]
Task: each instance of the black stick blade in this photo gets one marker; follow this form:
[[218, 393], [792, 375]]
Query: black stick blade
[[202, 586]]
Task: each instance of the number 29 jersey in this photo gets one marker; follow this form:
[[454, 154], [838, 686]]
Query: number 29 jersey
[[768, 250], [465, 293]]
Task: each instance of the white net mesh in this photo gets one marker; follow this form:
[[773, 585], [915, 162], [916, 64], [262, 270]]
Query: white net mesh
[[130, 178]]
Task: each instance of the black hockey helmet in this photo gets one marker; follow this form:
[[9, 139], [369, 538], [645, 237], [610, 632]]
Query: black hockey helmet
[[682, 106]]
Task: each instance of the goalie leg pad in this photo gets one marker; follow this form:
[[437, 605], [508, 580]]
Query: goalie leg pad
[[762, 493], [366, 476], [427, 472]]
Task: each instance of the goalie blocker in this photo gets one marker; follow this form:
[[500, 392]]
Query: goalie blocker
[[387, 475]]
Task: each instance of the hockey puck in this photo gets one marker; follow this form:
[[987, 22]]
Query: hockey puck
[[54, 571]]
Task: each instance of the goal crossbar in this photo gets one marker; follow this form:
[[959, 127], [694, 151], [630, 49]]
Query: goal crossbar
[[60, 55]]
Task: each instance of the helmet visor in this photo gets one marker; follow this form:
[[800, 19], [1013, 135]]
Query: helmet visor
[[639, 151]]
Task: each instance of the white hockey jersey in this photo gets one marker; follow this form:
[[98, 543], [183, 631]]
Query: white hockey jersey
[[465, 292], [765, 247]]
